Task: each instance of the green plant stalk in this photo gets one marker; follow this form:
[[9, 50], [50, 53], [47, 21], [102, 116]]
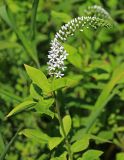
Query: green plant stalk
[[2, 157], [62, 127], [33, 18]]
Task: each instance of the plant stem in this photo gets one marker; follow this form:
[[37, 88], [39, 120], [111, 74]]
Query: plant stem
[[63, 130]]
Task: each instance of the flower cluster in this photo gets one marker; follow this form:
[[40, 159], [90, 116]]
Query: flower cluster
[[57, 53], [56, 56], [97, 11]]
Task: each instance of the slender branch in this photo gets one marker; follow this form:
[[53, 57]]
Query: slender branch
[[33, 18], [63, 130]]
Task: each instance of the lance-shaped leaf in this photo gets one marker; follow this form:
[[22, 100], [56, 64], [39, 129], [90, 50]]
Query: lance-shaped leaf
[[21, 107], [39, 78]]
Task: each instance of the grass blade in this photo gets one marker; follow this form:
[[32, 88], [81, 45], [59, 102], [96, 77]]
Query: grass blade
[[2, 157], [8, 17], [33, 18]]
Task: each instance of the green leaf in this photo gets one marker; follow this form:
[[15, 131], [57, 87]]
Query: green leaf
[[81, 144], [36, 135], [39, 78], [43, 106], [63, 17], [4, 15], [74, 57], [21, 107], [92, 154], [120, 156], [54, 141], [67, 124]]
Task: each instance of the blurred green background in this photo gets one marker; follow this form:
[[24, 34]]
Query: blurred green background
[[94, 56]]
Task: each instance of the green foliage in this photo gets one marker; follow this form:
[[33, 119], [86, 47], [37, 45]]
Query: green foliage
[[89, 97]]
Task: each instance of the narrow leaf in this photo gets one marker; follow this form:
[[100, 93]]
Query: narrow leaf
[[22, 106], [3, 155]]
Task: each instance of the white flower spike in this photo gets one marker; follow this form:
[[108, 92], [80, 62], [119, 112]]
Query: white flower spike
[[96, 17]]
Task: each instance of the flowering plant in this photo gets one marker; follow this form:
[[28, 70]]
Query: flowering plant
[[45, 92]]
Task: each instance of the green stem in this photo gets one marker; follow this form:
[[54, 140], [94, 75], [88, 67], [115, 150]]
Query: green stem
[[63, 130], [33, 18]]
